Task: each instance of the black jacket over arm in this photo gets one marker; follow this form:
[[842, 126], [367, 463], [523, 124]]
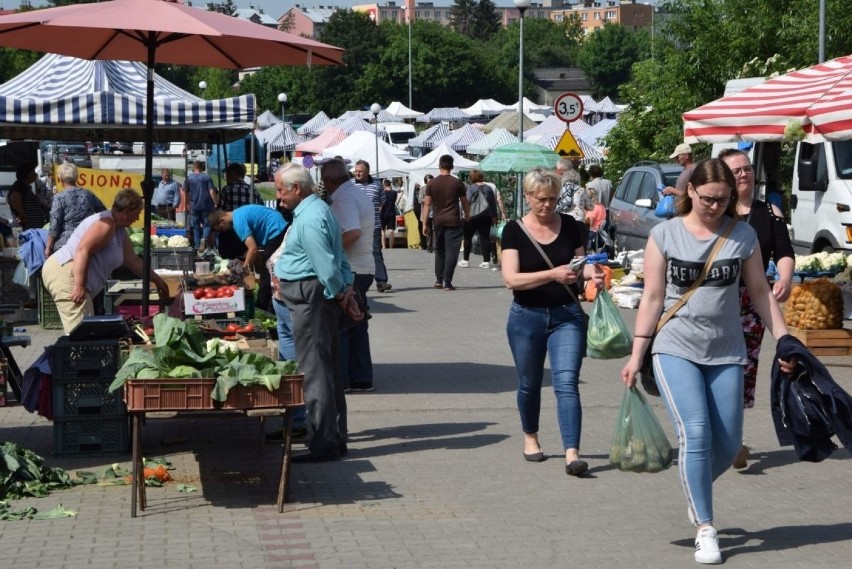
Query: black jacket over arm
[[808, 407]]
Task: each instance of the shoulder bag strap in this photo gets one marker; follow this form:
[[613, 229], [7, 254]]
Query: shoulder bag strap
[[545, 257], [700, 279]]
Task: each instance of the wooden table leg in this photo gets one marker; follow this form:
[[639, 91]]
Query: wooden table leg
[[284, 479]]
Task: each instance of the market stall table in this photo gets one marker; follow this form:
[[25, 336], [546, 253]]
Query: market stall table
[[192, 397]]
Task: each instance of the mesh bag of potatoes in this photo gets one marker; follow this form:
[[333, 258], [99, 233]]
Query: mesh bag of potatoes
[[815, 305]]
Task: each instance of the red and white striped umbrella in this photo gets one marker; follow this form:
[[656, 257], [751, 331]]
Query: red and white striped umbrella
[[818, 97]]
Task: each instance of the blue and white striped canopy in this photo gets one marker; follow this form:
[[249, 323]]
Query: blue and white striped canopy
[[314, 126], [496, 138], [440, 114], [459, 139], [74, 99], [433, 134]]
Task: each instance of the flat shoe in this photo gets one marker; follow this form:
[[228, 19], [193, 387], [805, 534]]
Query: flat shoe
[[576, 467], [741, 460], [534, 457]]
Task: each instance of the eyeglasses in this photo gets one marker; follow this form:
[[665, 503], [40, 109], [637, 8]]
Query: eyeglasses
[[707, 201], [744, 170]]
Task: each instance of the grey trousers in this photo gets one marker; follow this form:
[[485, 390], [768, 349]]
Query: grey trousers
[[315, 332]]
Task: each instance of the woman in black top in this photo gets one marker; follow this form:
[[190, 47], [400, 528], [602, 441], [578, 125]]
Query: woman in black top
[[22, 200], [774, 241], [545, 318]]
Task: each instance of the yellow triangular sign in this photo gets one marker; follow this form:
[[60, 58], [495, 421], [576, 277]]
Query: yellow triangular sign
[[568, 147]]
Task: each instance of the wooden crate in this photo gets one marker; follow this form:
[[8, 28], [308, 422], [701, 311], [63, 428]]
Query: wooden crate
[[836, 342]]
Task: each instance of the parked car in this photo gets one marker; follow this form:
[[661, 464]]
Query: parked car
[[59, 152], [631, 210]]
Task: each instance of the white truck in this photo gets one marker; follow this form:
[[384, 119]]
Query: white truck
[[398, 133]]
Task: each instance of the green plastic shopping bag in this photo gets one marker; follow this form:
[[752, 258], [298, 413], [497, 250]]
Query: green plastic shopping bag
[[607, 337], [639, 443]]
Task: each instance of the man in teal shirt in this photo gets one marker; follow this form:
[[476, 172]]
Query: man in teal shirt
[[315, 282]]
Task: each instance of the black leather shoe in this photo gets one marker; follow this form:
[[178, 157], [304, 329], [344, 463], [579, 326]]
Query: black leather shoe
[[316, 456], [342, 450], [576, 467], [534, 457]]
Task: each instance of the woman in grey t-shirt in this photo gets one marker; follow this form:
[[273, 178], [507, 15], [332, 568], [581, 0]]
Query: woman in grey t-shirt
[[700, 353]]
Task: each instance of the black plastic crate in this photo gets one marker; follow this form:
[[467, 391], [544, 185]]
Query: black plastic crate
[[106, 435], [89, 359], [85, 398], [173, 258]]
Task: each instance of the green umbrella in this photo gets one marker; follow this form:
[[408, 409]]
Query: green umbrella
[[519, 157]]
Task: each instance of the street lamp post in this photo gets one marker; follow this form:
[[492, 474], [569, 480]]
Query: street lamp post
[[282, 98], [376, 108], [522, 6], [408, 16], [202, 85]]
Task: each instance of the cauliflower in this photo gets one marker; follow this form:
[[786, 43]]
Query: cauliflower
[[177, 241], [221, 346]]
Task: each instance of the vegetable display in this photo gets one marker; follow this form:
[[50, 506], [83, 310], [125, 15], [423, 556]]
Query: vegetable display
[[215, 292], [816, 305], [182, 351], [821, 263]]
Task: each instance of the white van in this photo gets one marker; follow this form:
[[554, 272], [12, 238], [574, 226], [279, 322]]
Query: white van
[[398, 133]]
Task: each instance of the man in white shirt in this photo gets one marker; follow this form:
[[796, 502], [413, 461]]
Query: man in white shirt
[[355, 213]]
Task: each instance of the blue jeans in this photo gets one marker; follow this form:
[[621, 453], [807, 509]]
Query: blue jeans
[[287, 349], [356, 361], [533, 334], [381, 270], [200, 226], [705, 405]]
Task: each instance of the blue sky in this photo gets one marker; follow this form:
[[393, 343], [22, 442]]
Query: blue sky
[[273, 8]]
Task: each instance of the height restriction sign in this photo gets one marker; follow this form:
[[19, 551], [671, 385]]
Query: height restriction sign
[[568, 107]]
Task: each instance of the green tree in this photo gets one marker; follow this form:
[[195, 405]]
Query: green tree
[[698, 46], [607, 56], [486, 21], [462, 15]]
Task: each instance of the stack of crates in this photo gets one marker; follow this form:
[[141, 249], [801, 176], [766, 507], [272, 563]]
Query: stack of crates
[[48, 314], [173, 258], [88, 420]]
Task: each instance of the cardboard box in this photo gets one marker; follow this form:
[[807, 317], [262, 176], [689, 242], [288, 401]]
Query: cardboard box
[[199, 307]]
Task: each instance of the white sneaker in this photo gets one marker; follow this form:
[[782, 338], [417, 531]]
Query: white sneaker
[[707, 546], [485, 265], [464, 264]]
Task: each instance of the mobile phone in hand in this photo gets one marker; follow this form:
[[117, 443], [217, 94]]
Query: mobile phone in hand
[[577, 263]]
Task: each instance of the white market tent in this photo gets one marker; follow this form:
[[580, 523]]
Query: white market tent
[[361, 145], [429, 164], [266, 119], [496, 138], [485, 108], [403, 112], [529, 106], [328, 137]]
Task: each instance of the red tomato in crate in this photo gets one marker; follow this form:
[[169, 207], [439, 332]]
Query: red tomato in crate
[[198, 293]]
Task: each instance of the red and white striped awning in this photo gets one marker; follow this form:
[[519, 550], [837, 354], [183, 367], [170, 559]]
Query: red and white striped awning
[[818, 97]]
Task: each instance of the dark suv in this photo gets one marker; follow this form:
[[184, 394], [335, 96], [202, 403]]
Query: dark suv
[[631, 210]]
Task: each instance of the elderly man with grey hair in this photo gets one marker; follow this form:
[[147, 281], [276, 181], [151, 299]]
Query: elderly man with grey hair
[[315, 281], [70, 206]]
